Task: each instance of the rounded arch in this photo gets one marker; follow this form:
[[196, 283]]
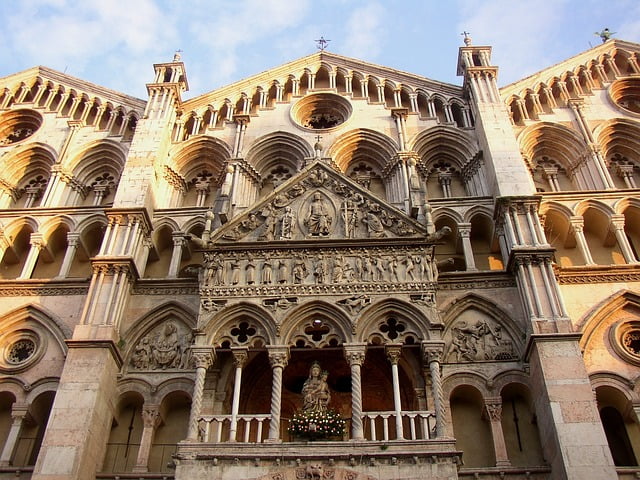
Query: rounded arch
[[502, 330], [30, 159], [197, 153], [46, 320], [241, 324], [52, 224], [278, 149], [362, 144], [159, 315], [444, 142], [316, 323], [547, 139], [392, 321]]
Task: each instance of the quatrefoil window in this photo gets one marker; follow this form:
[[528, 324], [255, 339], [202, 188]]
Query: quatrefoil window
[[393, 328], [317, 330], [243, 332]]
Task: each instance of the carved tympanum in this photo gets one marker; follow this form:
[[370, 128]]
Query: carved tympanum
[[165, 347], [482, 340]]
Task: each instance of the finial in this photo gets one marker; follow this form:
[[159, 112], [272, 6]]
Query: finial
[[467, 38], [605, 34], [322, 43], [176, 56]]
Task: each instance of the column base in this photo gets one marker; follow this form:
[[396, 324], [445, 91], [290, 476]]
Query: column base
[[140, 469], [503, 463]]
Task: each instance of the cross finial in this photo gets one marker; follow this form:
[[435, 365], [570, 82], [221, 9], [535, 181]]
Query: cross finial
[[322, 43], [467, 38]]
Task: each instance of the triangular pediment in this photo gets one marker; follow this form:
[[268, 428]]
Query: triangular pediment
[[319, 204]]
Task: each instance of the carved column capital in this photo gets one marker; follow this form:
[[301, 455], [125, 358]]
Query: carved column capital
[[393, 351], [203, 356], [355, 353], [432, 351], [493, 409], [240, 355], [151, 416], [278, 356]]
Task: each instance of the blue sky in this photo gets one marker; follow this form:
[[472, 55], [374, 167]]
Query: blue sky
[[114, 43]]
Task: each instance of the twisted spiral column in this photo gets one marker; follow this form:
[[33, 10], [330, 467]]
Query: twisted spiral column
[[278, 357], [355, 354], [203, 357], [433, 352]]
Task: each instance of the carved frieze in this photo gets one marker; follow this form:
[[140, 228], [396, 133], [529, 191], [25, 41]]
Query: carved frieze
[[283, 273]]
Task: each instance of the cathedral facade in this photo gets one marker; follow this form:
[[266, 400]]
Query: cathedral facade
[[329, 270]]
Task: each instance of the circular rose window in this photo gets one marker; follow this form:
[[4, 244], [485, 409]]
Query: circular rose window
[[626, 94], [20, 350], [321, 111], [17, 125], [625, 338]]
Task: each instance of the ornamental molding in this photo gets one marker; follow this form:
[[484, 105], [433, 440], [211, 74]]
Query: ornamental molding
[[20, 289], [598, 274]]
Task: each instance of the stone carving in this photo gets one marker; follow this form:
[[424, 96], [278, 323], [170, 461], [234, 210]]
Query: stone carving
[[481, 341], [356, 303], [210, 305], [287, 223], [318, 220], [299, 270], [281, 303], [335, 209], [314, 471], [163, 348], [315, 391], [214, 268]]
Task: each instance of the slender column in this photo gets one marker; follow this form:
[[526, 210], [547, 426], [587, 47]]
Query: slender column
[[204, 357], [617, 224], [493, 411], [150, 420], [433, 353], [278, 357], [464, 230], [239, 359], [37, 244], [18, 416], [355, 354], [577, 225], [393, 354], [69, 254], [176, 254]]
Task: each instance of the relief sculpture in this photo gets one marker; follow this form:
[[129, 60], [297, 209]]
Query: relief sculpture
[[164, 348], [480, 341]]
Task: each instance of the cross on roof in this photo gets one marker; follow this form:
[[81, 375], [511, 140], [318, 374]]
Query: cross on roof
[[322, 43]]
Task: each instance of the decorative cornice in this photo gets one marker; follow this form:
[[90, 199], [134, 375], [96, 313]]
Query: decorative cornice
[[597, 274], [15, 288]]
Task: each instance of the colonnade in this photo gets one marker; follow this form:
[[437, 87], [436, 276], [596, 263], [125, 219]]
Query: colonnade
[[279, 356]]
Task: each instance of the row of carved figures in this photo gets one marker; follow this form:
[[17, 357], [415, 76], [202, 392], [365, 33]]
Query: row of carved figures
[[411, 267]]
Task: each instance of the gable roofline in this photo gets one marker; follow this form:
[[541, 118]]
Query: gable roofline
[[568, 64], [76, 83], [248, 84]]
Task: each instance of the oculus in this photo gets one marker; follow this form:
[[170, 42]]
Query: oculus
[[18, 125], [625, 338], [625, 93], [321, 111]]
